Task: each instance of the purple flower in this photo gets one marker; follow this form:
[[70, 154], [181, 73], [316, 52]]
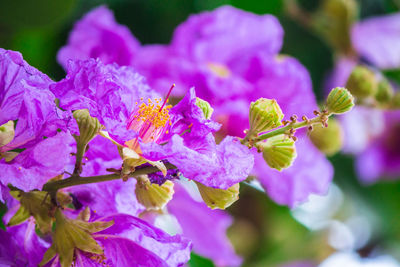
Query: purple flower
[[378, 41], [382, 157], [109, 92], [115, 95], [369, 133], [25, 98], [132, 241], [97, 35], [231, 76], [230, 56], [195, 219]]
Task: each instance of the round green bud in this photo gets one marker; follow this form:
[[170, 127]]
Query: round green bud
[[339, 100], [279, 152], [205, 107], [384, 92], [153, 196], [329, 139], [218, 198], [89, 127], [265, 114], [362, 82]]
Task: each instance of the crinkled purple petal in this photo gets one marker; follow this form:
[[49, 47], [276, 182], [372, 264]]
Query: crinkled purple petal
[[36, 165], [98, 35], [10, 252], [187, 116], [174, 250], [24, 96], [109, 197], [201, 160], [377, 40], [195, 219], [29, 242], [311, 173], [226, 33], [121, 251], [109, 93]]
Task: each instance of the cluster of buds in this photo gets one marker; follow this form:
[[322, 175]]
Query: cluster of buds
[[278, 143], [372, 88]]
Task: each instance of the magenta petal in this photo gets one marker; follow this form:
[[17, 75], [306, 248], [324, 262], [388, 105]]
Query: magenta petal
[[10, 252], [201, 160], [174, 250], [311, 173], [121, 251], [377, 40], [36, 165], [226, 33], [195, 219], [109, 92], [24, 96], [98, 35]]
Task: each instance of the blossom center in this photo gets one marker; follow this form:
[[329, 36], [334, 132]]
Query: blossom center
[[150, 119], [219, 69]]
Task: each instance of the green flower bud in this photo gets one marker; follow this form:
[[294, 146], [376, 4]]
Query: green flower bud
[[279, 152], [218, 198], [265, 114], [153, 196], [333, 20], [339, 101], [362, 82], [73, 234], [38, 205], [6, 133], [205, 107], [385, 92], [89, 127], [395, 103], [327, 139]]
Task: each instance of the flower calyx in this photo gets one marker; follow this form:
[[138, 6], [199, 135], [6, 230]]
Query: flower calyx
[[153, 196], [205, 107], [70, 235], [216, 198], [278, 152], [37, 204]]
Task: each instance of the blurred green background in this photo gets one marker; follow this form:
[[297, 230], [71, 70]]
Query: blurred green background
[[264, 233]]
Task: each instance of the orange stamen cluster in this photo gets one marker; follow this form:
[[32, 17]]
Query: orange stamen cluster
[[153, 113]]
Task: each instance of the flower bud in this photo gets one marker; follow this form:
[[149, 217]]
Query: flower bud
[[6, 133], [333, 20], [339, 101], [153, 196], [265, 114], [73, 234], [395, 103], [362, 82], [89, 127], [327, 139], [279, 152], [384, 92], [216, 198], [205, 107]]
